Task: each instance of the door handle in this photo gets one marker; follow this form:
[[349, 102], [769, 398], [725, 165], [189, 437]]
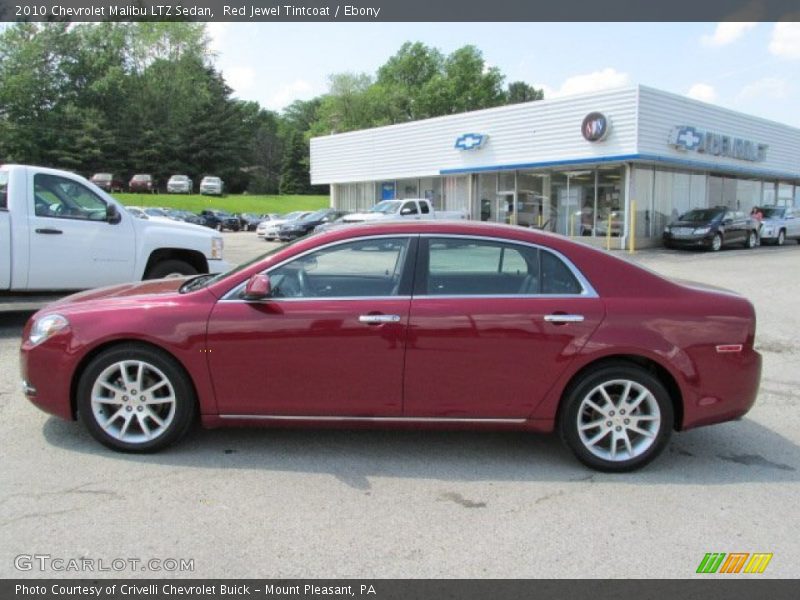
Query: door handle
[[557, 318], [378, 319], [50, 231]]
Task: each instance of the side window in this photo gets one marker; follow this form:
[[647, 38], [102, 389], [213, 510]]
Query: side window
[[424, 207], [556, 276], [411, 207], [64, 198], [483, 268], [354, 269], [3, 190]]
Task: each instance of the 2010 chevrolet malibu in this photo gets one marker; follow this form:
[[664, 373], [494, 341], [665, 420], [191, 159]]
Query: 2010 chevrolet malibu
[[421, 324]]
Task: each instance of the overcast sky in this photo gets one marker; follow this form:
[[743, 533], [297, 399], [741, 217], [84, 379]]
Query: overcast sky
[[751, 67]]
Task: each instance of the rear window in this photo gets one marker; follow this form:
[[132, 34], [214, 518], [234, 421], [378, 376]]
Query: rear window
[[141, 178], [3, 190], [102, 177]]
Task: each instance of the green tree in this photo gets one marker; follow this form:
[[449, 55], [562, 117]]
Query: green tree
[[519, 91], [294, 174]]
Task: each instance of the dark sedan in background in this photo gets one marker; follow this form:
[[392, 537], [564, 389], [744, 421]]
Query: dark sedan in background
[[712, 228], [292, 230], [220, 220]]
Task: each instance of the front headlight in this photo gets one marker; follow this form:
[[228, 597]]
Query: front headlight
[[702, 230], [47, 327], [216, 248]]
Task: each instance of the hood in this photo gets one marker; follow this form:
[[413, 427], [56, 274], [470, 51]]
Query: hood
[[692, 224], [365, 216], [167, 223], [138, 291]]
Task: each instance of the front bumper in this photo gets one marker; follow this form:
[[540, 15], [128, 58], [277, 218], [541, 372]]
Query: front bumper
[[694, 241]]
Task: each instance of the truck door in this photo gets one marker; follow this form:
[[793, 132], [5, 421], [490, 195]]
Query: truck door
[[72, 244], [5, 234]]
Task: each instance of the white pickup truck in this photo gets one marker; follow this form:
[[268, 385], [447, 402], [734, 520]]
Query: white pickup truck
[[410, 208], [60, 232]]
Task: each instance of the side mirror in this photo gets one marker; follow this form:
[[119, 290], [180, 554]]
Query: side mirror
[[727, 221], [112, 215], [258, 287]]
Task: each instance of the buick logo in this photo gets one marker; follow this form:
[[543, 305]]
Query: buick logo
[[595, 127]]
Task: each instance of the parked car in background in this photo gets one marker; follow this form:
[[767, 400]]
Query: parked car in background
[[185, 216], [292, 230], [211, 186], [712, 228], [220, 220], [148, 212], [249, 221], [269, 229], [578, 341], [107, 182], [779, 224], [179, 184], [409, 209], [142, 183]]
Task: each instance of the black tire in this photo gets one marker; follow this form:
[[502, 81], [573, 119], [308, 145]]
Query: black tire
[[573, 413], [716, 242], [170, 268], [185, 403], [752, 239]]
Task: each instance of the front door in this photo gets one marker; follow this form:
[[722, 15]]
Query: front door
[[329, 342], [492, 327], [72, 245]]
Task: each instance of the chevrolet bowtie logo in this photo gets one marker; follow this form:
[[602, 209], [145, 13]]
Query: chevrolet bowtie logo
[[471, 141], [687, 138]]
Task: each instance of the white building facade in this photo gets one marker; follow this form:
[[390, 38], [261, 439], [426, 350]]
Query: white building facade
[[580, 166]]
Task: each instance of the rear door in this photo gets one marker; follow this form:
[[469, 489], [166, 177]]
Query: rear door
[[492, 326], [72, 245]]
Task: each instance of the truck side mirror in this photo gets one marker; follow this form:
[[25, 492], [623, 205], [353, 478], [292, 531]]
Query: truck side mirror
[[112, 215], [258, 287]]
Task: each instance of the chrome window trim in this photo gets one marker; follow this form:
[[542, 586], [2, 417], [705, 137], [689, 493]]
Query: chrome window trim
[[588, 289], [236, 289]]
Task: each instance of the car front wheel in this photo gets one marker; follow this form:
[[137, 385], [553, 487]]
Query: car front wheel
[[751, 241], [134, 398], [716, 243], [781, 238], [616, 418]]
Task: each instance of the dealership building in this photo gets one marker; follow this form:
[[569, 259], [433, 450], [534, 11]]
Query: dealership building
[[583, 165]]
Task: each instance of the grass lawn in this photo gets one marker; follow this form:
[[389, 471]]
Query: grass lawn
[[231, 203]]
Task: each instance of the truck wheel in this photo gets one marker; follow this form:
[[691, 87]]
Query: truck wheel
[[170, 268], [134, 398]]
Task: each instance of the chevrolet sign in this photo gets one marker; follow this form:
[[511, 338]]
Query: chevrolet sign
[[692, 139], [471, 141]]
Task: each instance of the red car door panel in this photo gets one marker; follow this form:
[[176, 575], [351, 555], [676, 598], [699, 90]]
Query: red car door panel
[[309, 357], [490, 357]]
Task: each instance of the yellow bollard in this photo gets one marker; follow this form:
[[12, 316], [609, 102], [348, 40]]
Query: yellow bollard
[[632, 244]]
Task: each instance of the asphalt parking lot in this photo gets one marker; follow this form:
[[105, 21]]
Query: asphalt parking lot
[[274, 503]]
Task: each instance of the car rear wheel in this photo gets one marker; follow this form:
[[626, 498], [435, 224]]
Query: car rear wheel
[[134, 398], [616, 418], [716, 242], [752, 240]]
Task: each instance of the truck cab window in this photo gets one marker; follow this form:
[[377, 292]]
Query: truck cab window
[[64, 198]]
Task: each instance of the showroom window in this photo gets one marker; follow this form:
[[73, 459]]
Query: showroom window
[[370, 268]]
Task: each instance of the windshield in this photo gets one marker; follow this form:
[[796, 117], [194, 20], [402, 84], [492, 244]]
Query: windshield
[[316, 216], [386, 207], [702, 215], [202, 281], [293, 215], [210, 179], [773, 213], [179, 178], [141, 177], [102, 177]]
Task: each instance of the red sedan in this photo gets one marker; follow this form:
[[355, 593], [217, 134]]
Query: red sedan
[[423, 324]]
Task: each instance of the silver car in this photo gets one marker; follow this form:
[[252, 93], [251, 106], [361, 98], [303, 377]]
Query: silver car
[[179, 184], [211, 186], [779, 224]]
